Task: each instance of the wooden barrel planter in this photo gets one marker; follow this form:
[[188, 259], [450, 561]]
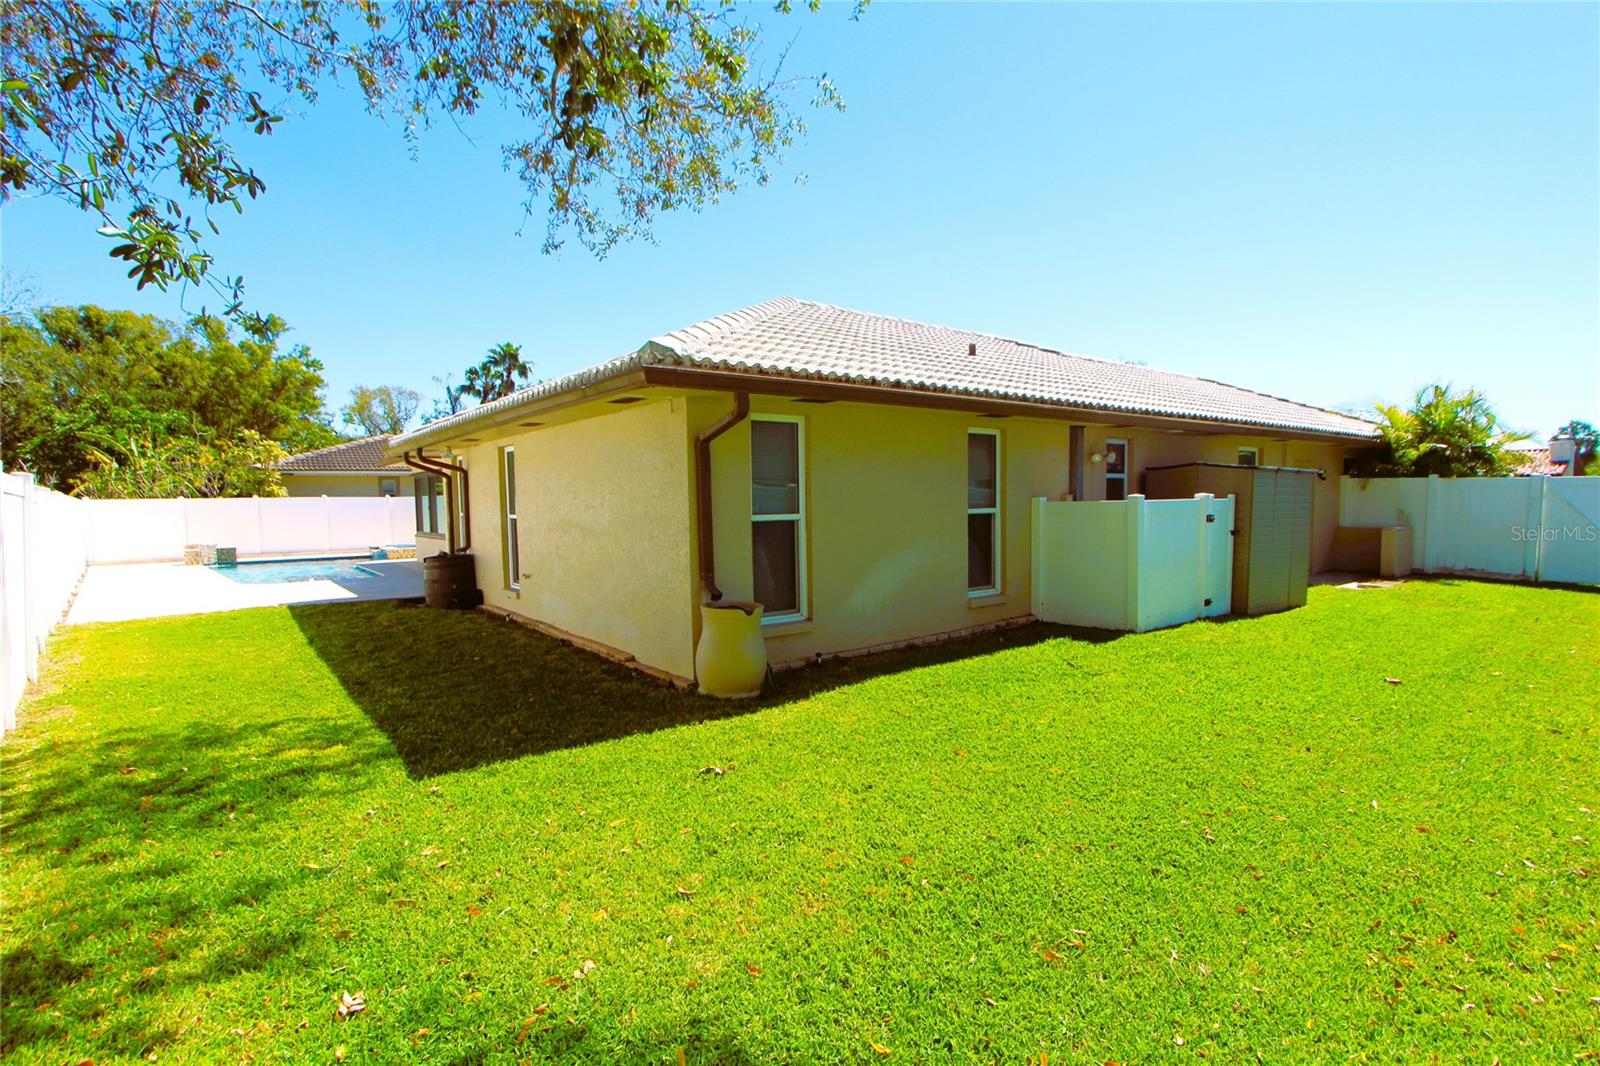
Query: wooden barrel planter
[[450, 581]]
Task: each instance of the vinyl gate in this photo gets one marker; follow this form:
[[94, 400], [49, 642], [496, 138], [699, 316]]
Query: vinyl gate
[[1133, 564]]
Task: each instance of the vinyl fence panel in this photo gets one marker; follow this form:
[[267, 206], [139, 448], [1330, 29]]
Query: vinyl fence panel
[[44, 550], [126, 531], [1533, 528]]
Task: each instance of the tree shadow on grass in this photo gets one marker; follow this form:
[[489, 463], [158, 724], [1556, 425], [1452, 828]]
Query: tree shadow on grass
[[454, 690], [144, 839]]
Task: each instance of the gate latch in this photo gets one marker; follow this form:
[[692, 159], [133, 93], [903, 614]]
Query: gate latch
[[1211, 518]]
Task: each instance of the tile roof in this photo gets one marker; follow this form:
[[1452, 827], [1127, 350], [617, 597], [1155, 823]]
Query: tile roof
[[800, 339], [348, 457], [1536, 462]]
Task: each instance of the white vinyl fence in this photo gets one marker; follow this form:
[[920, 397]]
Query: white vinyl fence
[[1535, 528], [126, 531], [47, 540], [1132, 564], [44, 549]]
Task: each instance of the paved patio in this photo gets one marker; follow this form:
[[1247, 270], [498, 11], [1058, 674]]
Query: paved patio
[[153, 590]]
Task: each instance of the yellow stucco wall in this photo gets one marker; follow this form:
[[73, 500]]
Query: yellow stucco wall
[[342, 485], [887, 520], [608, 543], [604, 511], [1148, 448]]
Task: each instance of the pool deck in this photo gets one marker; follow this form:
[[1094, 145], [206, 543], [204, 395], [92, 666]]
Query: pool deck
[[117, 593]]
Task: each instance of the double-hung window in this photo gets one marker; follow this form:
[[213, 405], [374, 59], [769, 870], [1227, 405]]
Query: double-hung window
[[508, 503], [429, 490], [983, 512], [777, 516], [1116, 469]]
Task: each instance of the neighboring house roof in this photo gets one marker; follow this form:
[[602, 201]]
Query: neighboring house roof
[[800, 339], [364, 456], [1536, 461]]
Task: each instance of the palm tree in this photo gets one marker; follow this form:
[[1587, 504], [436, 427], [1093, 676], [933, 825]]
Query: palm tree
[[502, 372], [1445, 433]]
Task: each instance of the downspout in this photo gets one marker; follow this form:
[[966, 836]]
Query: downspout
[[702, 492], [449, 471]]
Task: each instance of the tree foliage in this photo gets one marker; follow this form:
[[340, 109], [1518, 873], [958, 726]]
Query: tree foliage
[[82, 380], [1445, 433], [502, 372], [131, 109], [144, 466], [386, 409], [448, 404]]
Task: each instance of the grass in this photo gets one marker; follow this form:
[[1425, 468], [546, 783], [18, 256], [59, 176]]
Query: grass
[[1232, 842]]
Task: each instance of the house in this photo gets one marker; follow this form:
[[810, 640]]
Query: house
[[867, 479], [349, 468], [1558, 458]]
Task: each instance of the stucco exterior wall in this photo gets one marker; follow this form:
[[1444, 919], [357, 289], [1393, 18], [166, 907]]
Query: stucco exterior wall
[[605, 520], [886, 520], [609, 547], [343, 484], [1147, 448]]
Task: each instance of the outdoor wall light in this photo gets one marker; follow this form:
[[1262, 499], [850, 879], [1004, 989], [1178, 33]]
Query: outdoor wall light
[[1097, 458]]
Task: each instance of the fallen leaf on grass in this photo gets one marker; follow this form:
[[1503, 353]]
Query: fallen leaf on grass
[[684, 892], [350, 1005], [880, 1049], [719, 771], [1050, 956], [753, 971], [1424, 828], [1392, 681]]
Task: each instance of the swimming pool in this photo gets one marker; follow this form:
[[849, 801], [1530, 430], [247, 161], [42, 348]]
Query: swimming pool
[[297, 570]]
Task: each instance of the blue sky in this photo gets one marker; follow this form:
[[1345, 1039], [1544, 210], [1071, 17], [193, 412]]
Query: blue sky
[[1333, 203]]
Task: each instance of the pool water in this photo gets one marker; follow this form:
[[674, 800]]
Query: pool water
[[297, 570]]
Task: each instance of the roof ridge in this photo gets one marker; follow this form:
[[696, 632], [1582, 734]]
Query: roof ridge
[[709, 329], [340, 444], [1062, 352]]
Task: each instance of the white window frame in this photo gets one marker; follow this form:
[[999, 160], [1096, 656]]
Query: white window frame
[[802, 545], [509, 527], [1127, 463], [996, 527], [388, 486], [1255, 455]]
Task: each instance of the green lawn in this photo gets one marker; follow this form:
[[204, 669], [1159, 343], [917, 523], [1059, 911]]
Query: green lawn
[[1231, 841]]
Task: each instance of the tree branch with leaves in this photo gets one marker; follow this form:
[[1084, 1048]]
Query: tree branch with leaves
[[131, 109]]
